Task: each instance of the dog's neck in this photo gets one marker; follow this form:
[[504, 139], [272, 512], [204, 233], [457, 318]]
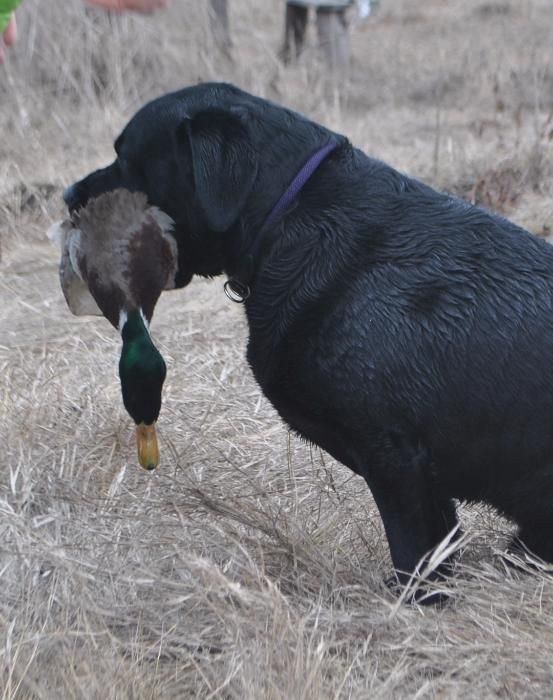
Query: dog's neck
[[238, 286]]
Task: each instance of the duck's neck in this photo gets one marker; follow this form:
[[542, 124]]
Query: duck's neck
[[138, 351], [133, 326]]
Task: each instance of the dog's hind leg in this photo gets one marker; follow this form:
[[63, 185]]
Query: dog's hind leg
[[416, 519]]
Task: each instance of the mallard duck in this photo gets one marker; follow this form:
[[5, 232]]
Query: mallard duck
[[117, 258]]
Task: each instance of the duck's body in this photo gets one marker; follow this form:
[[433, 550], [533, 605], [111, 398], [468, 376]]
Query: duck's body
[[118, 255]]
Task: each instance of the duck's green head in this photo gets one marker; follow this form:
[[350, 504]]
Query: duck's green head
[[142, 372]]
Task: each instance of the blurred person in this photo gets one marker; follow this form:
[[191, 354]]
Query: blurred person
[[366, 8], [8, 26], [332, 30], [134, 5]]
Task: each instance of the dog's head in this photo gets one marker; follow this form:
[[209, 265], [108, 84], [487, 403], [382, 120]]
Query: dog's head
[[210, 156], [197, 164]]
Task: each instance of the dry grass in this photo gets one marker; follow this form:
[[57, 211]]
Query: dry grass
[[251, 565]]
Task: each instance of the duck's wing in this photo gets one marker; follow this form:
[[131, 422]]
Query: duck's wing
[[151, 259], [75, 290], [165, 226]]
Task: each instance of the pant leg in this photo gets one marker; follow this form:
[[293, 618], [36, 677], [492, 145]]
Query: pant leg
[[220, 27], [295, 26], [333, 33]]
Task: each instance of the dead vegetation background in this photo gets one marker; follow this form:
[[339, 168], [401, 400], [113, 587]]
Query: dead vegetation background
[[251, 565]]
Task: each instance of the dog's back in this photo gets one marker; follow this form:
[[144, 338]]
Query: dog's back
[[406, 311]]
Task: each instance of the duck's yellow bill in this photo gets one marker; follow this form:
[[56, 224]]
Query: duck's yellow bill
[[146, 442]]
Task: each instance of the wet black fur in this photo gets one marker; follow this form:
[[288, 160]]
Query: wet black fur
[[406, 332]]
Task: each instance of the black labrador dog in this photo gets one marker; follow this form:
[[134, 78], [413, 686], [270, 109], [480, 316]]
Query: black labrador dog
[[406, 332]]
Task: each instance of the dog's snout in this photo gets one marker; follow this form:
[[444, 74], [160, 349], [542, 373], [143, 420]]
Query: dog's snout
[[93, 185], [68, 194], [73, 196]]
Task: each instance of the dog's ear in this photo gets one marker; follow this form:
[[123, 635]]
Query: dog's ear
[[224, 164]]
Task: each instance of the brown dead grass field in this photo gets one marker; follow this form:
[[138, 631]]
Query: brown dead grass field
[[250, 565]]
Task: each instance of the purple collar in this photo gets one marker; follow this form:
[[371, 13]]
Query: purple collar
[[237, 287]]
